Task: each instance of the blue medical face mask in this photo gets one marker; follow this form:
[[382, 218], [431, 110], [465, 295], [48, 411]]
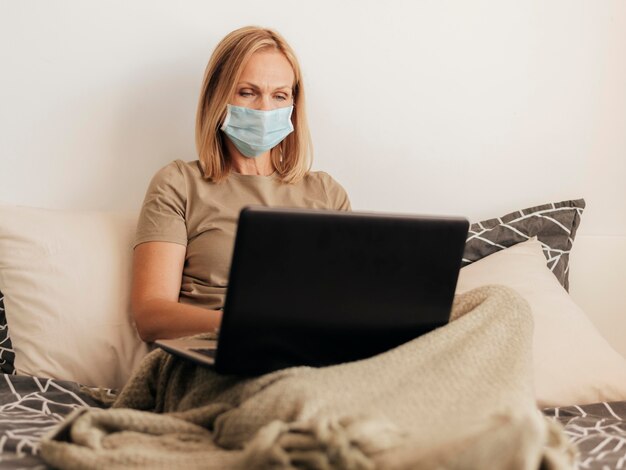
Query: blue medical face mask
[[255, 132]]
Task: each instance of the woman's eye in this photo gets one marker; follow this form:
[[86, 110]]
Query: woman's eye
[[281, 97], [245, 94]]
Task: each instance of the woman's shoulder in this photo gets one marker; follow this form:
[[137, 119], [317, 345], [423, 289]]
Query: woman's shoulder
[[178, 166], [177, 179], [178, 171], [318, 177], [335, 193], [321, 177]]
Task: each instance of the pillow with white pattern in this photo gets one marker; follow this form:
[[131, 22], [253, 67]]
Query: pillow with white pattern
[[553, 224]]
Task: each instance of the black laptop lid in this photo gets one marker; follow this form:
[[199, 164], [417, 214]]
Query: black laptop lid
[[316, 287]]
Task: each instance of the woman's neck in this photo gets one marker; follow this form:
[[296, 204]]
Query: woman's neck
[[261, 165]]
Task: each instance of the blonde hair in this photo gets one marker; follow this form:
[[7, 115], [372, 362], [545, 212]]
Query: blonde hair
[[292, 157]]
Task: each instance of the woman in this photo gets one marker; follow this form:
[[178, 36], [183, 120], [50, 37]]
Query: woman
[[254, 148]]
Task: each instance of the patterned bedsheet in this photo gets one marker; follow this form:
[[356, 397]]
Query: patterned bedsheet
[[599, 431], [30, 407]]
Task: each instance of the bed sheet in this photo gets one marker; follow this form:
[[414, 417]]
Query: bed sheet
[[598, 430], [30, 407]]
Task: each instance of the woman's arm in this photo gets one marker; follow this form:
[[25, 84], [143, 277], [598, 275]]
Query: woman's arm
[[157, 274]]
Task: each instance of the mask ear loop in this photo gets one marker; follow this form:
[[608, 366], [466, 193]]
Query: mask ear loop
[[293, 105], [280, 147]]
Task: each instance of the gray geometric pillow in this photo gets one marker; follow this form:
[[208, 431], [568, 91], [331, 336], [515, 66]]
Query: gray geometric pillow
[[7, 355], [553, 224]]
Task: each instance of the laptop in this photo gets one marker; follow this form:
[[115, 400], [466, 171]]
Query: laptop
[[317, 287]]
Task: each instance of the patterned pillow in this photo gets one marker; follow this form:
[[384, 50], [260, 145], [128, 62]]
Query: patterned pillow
[[553, 224], [7, 355]]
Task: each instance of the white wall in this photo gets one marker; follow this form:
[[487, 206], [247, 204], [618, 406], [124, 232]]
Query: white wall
[[467, 107]]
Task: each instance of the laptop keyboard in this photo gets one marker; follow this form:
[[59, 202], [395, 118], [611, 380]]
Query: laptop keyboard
[[209, 352]]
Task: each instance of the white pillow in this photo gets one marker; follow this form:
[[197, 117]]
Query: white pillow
[[66, 280], [573, 363]]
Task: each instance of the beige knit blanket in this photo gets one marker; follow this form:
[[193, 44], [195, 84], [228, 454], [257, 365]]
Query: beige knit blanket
[[458, 397]]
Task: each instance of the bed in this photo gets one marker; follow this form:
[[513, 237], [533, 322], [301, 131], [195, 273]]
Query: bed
[[31, 407], [65, 323]]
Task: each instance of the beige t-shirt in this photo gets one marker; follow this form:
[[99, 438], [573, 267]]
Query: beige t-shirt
[[181, 207]]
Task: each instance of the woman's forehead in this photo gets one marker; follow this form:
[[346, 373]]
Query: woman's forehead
[[268, 68]]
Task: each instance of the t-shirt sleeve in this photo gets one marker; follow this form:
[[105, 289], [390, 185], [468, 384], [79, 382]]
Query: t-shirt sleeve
[[162, 215], [337, 196]]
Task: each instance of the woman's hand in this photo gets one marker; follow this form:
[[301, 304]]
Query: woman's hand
[[157, 274]]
